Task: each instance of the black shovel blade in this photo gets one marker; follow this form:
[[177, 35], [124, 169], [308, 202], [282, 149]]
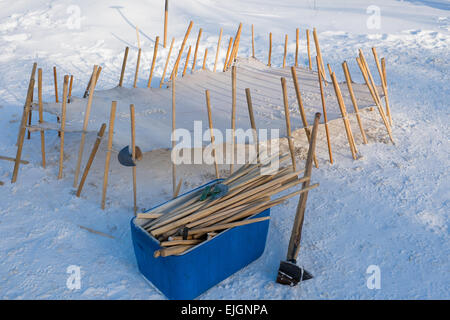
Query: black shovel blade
[[125, 158], [291, 274]]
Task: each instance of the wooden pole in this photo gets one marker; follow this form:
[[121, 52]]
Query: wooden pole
[[155, 54], [91, 158], [167, 63], [166, 21], [204, 59], [41, 115], [383, 66], [253, 41], [187, 60], [85, 125], [70, 89], [211, 129], [252, 120], [297, 40], [228, 54], [86, 92], [308, 44], [180, 53], [269, 63], [22, 129], [348, 130], [352, 96], [233, 115], [383, 85], [133, 154], [378, 104], [285, 50], [55, 80], [302, 110], [288, 124], [124, 65], [63, 126], [218, 49], [234, 51], [112, 118], [136, 75], [294, 242], [324, 108], [174, 126], [319, 54], [196, 48]]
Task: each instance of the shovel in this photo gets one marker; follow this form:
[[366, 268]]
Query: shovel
[[289, 272], [125, 158]]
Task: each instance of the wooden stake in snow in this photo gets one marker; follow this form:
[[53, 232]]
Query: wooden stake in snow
[[352, 96], [302, 110], [269, 63], [70, 89], [166, 21], [55, 80], [383, 85], [187, 61], [308, 44], [136, 75], [228, 54], [174, 126], [297, 40], [252, 120], [288, 123], [348, 130], [85, 125], [204, 59], [41, 115], [233, 115], [234, 51], [211, 129], [155, 54], [285, 50], [133, 154], [253, 41], [91, 158], [324, 113], [196, 48], [218, 49], [124, 66], [319, 54], [63, 126], [112, 118], [180, 53], [167, 63]]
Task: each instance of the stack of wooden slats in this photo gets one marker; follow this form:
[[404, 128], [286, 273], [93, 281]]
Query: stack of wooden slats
[[184, 225]]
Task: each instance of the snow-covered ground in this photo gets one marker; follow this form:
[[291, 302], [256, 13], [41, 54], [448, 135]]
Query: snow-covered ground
[[390, 208]]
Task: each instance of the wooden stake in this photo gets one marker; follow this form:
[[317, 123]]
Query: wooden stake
[[155, 54], [269, 63], [124, 65], [166, 21], [177, 190], [253, 42], [302, 110], [234, 51], [187, 60], [348, 130], [218, 49], [294, 242], [85, 125], [91, 158], [285, 50], [22, 129], [63, 126], [383, 85], [308, 44], [252, 120], [319, 54], [226, 226], [297, 40], [112, 118], [136, 75], [41, 115], [138, 38], [233, 115], [383, 66], [196, 49], [174, 167], [133, 154], [352, 96], [228, 54], [167, 63], [13, 160], [288, 123], [324, 113], [86, 92], [180, 53], [211, 129], [204, 59], [55, 80], [70, 89]]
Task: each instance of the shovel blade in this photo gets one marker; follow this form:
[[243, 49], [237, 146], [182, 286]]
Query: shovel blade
[[291, 274], [125, 158]]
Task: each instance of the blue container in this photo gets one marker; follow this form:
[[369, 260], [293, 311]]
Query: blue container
[[188, 275]]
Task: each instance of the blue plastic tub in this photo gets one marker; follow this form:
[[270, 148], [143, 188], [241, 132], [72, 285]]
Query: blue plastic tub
[[186, 276]]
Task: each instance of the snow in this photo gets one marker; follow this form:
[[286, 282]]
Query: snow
[[390, 208]]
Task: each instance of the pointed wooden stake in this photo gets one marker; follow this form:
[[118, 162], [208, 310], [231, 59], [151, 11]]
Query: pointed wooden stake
[[330, 153], [252, 120], [180, 53], [211, 129], [112, 118], [55, 80], [187, 61], [285, 50], [383, 85], [136, 74], [63, 126], [308, 44], [233, 115], [167, 63], [269, 63], [166, 21], [253, 41], [124, 65], [234, 51], [133, 154], [218, 49], [297, 40], [41, 115], [155, 54], [70, 89], [228, 54], [288, 124], [196, 48], [204, 59]]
